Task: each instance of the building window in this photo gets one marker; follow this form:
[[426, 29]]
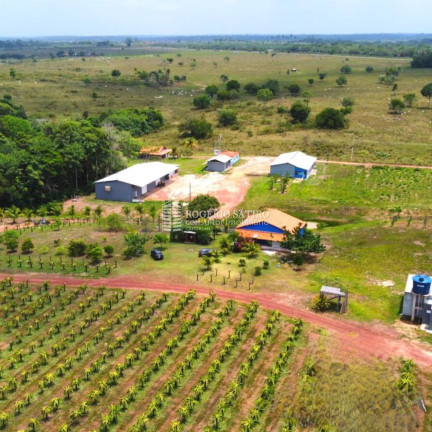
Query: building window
[[107, 188]]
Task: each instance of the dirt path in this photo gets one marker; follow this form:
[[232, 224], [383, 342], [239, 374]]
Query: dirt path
[[355, 339]]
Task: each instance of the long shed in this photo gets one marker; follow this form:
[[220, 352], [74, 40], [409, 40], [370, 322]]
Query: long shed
[[294, 164], [132, 183], [222, 161]]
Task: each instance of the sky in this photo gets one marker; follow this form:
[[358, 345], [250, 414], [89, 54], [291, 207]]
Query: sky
[[30, 18]]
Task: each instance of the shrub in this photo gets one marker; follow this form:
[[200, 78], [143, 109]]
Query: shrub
[[266, 265], [225, 95], [134, 245], [202, 206], [321, 303], [201, 101], [341, 81], [294, 89], [211, 90], [61, 250], [77, 248], [348, 102], [109, 250], [251, 88], [346, 69], [257, 271], [115, 73], [160, 239], [227, 117], [113, 222], [299, 111], [396, 105], [233, 85], [369, 69], [330, 118], [196, 128], [272, 85], [10, 239], [242, 262], [27, 246], [265, 95], [94, 253]]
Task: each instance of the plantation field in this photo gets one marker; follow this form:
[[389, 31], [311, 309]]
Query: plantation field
[[64, 87], [103, 359], [348, 193]]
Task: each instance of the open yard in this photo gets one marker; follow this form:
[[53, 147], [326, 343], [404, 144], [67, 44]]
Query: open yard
[[229, 187]]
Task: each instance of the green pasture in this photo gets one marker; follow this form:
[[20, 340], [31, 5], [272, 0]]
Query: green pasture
[[64, 87]]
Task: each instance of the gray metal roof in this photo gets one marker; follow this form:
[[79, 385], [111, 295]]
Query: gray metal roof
[[332, 290], [141, 174], [296, 158], [220, 158]]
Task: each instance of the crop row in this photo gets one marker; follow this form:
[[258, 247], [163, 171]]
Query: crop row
[[273, 377]]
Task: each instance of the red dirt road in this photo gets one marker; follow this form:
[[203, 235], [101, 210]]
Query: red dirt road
[[354, 339]]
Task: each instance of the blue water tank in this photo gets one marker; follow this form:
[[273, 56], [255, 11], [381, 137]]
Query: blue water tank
[[421, 284]]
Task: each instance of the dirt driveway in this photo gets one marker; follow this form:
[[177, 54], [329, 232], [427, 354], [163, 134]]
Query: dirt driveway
[[229, 188]]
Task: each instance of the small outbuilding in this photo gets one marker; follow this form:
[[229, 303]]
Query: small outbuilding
[[294, 164], [417, 301], [268, 226], [222, 161], [132, 183], [155, 152]]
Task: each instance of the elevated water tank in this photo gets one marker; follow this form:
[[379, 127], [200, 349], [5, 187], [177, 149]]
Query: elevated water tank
[[421, 284]]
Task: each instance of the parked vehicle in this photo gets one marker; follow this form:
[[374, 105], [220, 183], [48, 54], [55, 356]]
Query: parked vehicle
[[156, 254], [205, 251]]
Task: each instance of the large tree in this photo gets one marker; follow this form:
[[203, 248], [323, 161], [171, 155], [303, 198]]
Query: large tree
[[426, 91], [299, 111], [330, 118], [202, 206]]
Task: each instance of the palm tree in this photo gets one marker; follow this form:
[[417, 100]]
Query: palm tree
[[13, 212], [45, 411], [4, 418], [33, 423], [127, 211], [28, 213], [55, 404], [216, 419], [184, 413], [139, 208], [175, 426]]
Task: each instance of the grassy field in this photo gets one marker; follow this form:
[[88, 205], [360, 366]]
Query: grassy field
[[348, 193], [112, 360], [55, 88]]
